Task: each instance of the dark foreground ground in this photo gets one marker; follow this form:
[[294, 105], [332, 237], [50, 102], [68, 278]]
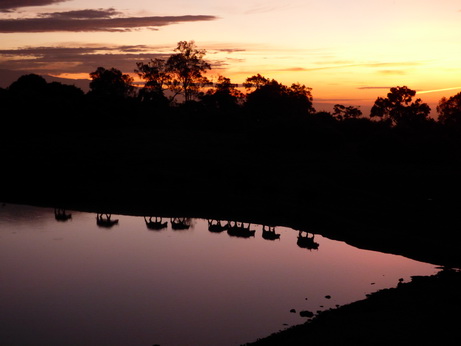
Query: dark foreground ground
[[392, 194]]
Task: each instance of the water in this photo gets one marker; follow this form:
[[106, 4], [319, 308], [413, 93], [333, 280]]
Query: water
[[76, 283]]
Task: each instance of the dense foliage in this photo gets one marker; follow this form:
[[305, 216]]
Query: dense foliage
[[176, 93]]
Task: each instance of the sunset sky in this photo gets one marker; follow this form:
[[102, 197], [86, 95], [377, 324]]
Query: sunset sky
[[348, 52]]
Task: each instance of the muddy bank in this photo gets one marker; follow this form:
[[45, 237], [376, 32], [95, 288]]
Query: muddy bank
[[421, 312]]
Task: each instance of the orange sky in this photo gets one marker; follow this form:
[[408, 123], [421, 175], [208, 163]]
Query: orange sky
[[348, 52]]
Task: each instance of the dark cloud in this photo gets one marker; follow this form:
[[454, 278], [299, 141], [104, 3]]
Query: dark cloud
[[65, 23], [231, 50], [55, 60], [83, 14], [86, 58], [10, 5]]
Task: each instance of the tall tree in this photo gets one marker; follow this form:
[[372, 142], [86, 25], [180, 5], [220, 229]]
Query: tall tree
[[156, 78], [342, 112], [224, 96], [398, 108], [449, 111], [187, 68], [255, 82], [111, 83], [271, 98], [29, 86]]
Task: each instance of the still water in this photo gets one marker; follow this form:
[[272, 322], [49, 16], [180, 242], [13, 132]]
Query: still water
[[78, 283]]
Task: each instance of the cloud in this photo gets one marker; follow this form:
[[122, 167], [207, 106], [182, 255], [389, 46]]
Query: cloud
[[293, 69], [437, 90], [262, 9], [63, 52], [267, 7], [73, 58], [77, 58], [374, 87], [83, 14], [74, 22], [392, 72], [339, 65], [380, 64], [336, 100], [83, 59], [231, 50], [10, 5]]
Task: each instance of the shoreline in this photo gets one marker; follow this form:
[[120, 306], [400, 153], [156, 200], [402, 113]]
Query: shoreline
[[399, 206], [323, 223], [417, 312], [420, 312]]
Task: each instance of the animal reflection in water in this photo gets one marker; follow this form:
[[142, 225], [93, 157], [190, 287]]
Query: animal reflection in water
[[180, 223], [306, 242], [156, 224], [104, 220], [269, 233], [216, 226], [61, 215], [238, 229]]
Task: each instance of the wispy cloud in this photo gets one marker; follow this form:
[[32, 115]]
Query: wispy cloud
[[374, 87], [82, 59], [355, 65], [77, 58], [276, 6], [230, 50], [336, 100], [74, 22], [437, 90], [83, 14], [10, 5], [392, 72], [262, 9], [293, 69]]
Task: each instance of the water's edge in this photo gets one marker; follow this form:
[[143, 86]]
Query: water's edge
[[441, 251]]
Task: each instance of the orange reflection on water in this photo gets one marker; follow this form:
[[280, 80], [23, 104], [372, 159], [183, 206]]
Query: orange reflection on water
[[76, 281]]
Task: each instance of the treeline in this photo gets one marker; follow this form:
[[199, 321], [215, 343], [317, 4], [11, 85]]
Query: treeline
[[176, 93], [260, 146]]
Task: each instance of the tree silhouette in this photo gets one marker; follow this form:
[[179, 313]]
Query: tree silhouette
[[36, 103], [398, 109], [225, 96], [300, 98], [271, 98], [256, 82], [28, 88], [64, 93], [342, 112], [187, 68], [157, 80], [449, 111], [110, 83]]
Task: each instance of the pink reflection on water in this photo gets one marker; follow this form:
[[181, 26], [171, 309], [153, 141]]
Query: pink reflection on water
[[127, 284]]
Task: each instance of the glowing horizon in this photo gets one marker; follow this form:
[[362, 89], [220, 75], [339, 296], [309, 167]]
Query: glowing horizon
[[347, 52]]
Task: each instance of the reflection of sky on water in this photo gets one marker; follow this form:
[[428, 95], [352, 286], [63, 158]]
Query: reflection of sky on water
[[126, 285]]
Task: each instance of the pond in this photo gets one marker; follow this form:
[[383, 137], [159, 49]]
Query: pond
[[81, 280]]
